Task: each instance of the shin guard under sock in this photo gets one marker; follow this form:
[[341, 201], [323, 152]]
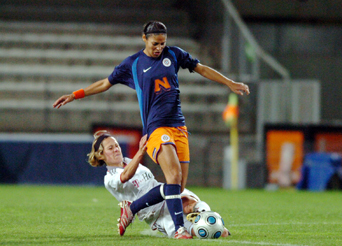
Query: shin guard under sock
[[174, 204]]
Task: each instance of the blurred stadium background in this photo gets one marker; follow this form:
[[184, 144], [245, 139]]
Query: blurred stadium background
[[289, 52]]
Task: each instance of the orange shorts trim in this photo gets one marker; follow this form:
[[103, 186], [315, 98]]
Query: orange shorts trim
[[177, 136]]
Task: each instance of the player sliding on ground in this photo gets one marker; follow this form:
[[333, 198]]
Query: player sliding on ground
[[127, 180], [153, 73]]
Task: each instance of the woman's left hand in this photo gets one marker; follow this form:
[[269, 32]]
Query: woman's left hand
[[239, 88], [210, 73]]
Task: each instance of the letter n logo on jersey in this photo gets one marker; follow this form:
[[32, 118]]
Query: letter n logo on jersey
[[161, 85]]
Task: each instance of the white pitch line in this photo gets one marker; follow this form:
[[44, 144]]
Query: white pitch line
[[149, 232], [288, 223], [257, 243]]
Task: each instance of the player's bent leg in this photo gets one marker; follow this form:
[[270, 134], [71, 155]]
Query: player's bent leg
[[168, 160]]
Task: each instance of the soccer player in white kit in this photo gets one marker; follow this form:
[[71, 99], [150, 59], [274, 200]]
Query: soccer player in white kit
[[128, 180]]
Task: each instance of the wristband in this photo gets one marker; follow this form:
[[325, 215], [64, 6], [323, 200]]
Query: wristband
[[79, 94]]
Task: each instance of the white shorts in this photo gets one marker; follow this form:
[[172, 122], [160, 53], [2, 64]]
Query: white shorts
[[164, 223], [158, 217]]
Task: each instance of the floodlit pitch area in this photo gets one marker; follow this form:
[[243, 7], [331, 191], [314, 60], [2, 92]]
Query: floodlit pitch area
[[77, 215]]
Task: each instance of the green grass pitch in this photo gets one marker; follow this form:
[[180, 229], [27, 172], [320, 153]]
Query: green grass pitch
[[81, 215]]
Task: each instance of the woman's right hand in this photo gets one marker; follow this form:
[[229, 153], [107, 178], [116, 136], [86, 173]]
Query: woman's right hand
[[143, 144], [63, 100], [95, 88], [131, 168]]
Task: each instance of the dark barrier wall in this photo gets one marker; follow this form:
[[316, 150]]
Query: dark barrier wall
[[297, 150], [48, 159]]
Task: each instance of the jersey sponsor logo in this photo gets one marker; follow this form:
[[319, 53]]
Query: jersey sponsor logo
[[161, 85], [145, 70], [165, 138], [144, 177], [136, 183], [167, 62], [147, 176]]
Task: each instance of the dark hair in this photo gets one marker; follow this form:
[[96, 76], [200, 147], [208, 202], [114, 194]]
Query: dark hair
[[154, 27]]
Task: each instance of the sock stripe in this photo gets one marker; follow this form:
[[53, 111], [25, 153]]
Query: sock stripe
[[173, 197], [162, 191]]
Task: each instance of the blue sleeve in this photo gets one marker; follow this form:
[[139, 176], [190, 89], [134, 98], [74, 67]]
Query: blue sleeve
[[122, 74], [184, 59]]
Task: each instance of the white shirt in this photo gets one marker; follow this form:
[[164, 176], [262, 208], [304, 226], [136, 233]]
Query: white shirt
[[142, 181]]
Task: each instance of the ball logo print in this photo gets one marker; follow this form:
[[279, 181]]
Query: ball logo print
[[203, 232], [165, 138], [208, 225], [167, 62]]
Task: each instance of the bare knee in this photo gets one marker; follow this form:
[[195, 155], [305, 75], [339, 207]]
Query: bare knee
[[169, 163], [174, 177]]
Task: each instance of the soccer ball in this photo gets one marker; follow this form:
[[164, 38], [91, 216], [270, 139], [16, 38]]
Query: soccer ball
[[208, 225]]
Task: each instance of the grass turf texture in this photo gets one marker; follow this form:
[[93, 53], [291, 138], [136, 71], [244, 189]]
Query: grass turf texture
[[76, 215]]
